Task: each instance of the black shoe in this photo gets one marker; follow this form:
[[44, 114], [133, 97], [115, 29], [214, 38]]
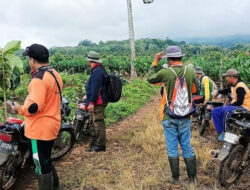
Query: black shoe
[[99, 148]]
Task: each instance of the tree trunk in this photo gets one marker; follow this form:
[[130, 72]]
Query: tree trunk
[[132, 39]]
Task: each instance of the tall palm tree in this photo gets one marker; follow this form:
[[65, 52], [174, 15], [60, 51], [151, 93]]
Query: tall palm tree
[[132, 39]]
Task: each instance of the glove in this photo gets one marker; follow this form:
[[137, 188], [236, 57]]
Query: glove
[[155, 63]]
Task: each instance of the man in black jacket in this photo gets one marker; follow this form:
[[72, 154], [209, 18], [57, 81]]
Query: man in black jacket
[[97, 100]]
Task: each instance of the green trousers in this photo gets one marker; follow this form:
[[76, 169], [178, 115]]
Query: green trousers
[[99, 129]]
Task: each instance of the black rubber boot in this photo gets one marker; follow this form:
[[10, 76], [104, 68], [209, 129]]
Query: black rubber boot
[[174, 166], [191, 168], [45, 182], [92, 143], [56, 183]]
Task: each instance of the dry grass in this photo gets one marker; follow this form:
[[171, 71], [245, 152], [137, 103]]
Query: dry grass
[[136, 159]]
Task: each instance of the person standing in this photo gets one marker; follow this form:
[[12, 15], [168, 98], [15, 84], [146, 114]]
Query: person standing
[[97, 100], [176, 129], [42, 113]]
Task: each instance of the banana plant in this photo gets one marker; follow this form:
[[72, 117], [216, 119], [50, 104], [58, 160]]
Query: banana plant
[[11, 67]]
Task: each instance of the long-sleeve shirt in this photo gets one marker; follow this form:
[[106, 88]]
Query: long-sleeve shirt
[[167, 77], [41, 108]]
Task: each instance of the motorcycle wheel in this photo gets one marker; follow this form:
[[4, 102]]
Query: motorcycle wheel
[[63, 144], [8, 173], [202, 127], [77, 124], [230, 171]]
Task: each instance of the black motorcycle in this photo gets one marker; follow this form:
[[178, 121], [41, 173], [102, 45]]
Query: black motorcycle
[[234, 156], [82, 120], [204, 115], [15, 147]]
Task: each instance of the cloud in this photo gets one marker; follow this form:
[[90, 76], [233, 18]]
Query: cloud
[[61, 22]]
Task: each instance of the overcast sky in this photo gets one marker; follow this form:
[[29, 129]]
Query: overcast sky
[[66, 22]]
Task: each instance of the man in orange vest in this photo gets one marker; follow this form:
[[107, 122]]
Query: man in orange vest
[[241, 99]]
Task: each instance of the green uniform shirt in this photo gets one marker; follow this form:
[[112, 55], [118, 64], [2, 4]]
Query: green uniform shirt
[[167, 77]]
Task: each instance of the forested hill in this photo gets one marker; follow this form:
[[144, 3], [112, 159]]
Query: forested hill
[[226, 41], [143, 47]]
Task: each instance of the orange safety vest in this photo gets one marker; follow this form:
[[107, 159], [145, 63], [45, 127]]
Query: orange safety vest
[[246, 102]]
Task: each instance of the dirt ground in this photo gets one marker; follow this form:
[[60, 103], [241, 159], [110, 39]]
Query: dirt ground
[[135, 159]]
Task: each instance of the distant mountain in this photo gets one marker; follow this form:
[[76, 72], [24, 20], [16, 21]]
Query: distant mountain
[[226, 41]]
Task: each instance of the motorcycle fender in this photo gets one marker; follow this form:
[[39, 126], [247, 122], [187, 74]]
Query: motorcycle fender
[[3, 158], [67, 126], [224, 151]]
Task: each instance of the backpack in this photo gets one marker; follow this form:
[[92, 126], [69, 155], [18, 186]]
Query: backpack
[[180, 106], [114, 87]]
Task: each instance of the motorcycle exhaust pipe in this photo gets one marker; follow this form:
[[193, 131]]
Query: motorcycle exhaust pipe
[[214, 153]]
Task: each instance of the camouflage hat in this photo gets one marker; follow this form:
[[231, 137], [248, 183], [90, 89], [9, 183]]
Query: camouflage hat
[[93, 57], [231, 72], [198, 70]]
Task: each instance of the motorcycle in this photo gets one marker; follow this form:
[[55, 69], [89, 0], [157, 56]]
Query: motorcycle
[[204, 115], [234, 156], [15, 147], [82, 120]]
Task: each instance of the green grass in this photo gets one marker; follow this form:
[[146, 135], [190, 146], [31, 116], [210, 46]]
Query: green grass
[[134, 96]]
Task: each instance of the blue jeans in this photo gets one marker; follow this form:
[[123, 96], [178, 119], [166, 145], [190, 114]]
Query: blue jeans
[[219, 116], [178, 130]]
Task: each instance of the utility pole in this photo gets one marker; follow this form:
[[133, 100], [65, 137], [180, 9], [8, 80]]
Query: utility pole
[[133, 73]]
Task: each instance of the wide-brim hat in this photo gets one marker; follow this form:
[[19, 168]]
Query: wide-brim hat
[[173, 52], [93, 57]]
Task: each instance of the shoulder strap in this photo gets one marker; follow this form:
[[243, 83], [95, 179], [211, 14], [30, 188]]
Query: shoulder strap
[[107, 76], [175, 72], [59, 88]]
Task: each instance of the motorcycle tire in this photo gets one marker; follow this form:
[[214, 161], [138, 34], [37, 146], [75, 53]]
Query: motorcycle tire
[[229, 171], [77, 124], [8, 173], [202, 127], [63, 144]]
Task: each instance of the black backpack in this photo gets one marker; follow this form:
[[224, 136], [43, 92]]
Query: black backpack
[[114, 87]]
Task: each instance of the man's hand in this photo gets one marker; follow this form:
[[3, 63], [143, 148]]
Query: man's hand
[[15, 107], [215, 95], [157, 58], [91, 108], [204, 103]]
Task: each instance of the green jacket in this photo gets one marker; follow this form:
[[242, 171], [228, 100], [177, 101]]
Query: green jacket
[[167, 77]]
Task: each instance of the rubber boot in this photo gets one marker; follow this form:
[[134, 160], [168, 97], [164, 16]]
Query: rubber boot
[[56, 183], [174, 166], [191, 168], [45, 182], [92, 143]]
